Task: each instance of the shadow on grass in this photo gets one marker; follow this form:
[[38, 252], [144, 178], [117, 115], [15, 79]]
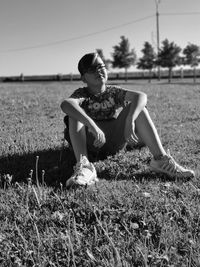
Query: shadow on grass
[[133, 173], [57, 163], [58, 166]]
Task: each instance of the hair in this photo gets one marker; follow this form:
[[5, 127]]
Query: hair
[[86, 61]]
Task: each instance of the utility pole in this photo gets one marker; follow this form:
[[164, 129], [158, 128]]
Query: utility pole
[[157, 2]]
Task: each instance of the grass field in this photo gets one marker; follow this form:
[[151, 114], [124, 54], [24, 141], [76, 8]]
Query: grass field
[[130, 218]]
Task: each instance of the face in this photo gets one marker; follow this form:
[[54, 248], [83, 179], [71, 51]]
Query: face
[[96, 74]]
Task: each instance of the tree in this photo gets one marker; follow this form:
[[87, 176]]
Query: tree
[[192, 57], [168, 56], [123, 57], [106, 61], [147, 61]]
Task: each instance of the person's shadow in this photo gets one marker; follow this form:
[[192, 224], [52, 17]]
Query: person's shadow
[[54, 166], [51, 166]]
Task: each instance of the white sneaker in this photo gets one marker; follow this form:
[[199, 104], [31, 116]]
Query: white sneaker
[[84, 174], [170, 167]]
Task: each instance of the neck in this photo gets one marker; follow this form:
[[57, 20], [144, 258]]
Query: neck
[[97, 89]]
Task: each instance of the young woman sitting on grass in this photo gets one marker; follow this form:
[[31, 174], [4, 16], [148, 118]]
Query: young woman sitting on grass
[[103, 118]]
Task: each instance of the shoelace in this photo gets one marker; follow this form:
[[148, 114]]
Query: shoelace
[[78, 168], [173, 166]]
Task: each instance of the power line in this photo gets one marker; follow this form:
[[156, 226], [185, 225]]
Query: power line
[[180, 14], [93, 33], [75, 38]]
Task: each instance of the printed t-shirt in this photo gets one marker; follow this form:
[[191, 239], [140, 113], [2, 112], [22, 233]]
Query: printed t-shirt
[[104, 106]]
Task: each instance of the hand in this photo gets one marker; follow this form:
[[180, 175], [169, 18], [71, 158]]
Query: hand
[[129, 132], [99, 135]]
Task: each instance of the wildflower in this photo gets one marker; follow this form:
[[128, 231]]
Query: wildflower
[[191, 242], [167, 185], [146, 194], [30, 252], [63, 236], [31, 173], [8, 178], [29, 181], [58, 216], [135, 225], [143, 224], [61, 186], [17, 262], [147, 233], [43, 173]]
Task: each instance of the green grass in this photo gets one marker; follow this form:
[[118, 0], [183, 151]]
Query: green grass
[[130, 218]]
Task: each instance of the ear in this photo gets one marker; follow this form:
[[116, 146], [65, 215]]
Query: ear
[[83, 78]]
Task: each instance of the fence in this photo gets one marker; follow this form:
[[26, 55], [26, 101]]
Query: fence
[[179, 73]]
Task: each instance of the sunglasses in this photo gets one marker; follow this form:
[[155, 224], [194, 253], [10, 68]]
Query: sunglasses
[[95, 68]]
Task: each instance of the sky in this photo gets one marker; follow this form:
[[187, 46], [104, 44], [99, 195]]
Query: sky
[[41, 37]]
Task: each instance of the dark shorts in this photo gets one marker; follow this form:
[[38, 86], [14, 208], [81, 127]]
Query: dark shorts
[[113, 130]]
